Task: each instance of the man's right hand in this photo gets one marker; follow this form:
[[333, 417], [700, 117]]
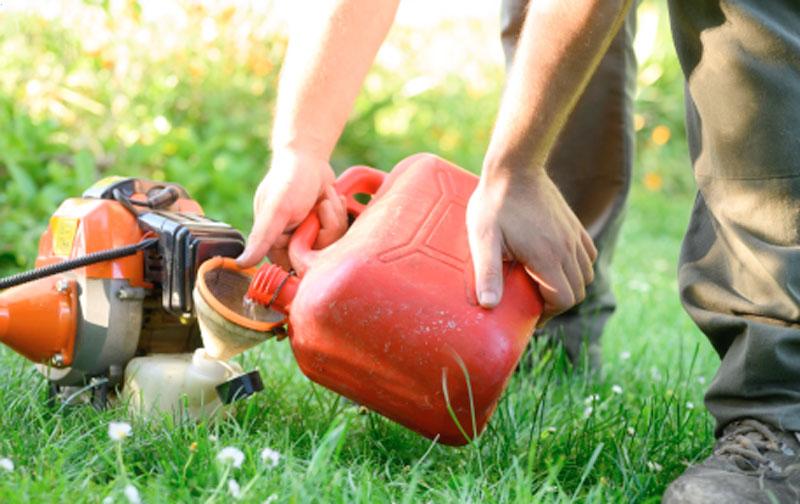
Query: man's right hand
[[295, 182]]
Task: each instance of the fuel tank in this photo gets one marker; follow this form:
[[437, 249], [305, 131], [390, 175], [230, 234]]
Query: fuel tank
[[387, 315]]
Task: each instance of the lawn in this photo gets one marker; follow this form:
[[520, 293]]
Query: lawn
[[555, 436], [75, 106]]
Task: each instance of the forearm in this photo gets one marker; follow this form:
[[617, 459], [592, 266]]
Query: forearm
[[558, 51], [331, 47]]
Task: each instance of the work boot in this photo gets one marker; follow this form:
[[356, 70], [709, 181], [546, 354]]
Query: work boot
[[752, 462]]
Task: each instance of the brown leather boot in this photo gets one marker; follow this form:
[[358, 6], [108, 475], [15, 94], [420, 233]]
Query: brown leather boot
[[752, 462]]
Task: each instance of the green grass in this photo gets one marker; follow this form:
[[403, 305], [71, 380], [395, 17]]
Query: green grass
[[542, 444]]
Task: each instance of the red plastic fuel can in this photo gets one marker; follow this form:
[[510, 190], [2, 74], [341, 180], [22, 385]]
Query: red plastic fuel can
[[387, 316]]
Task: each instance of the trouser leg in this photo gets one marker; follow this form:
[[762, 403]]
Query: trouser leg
[[739, 270], [591, 165]]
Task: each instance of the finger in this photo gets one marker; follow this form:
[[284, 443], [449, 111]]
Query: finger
[[572, 271], [556, 292], [588, 243], [339, 201], [279, 252], [585, 263], [266, 229], [333, 224], [487, 259]]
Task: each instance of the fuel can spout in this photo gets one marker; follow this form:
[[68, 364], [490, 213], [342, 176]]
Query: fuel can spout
[[274, 287], [38, 320]]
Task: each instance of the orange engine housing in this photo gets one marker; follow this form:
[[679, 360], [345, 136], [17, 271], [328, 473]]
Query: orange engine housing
[[39, 319]]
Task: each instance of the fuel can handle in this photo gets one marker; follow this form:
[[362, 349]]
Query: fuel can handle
[[354, 180]]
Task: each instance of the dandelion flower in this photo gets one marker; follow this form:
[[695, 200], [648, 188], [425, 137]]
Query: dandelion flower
[[6, 464], [132, 494], [588, 412], [118, 431], [660, 135], [270, 457], [690, 405], [234, 489], [108, 500], [592, 398], [231, 455], [272, 498], [625, 355], [616, 389]]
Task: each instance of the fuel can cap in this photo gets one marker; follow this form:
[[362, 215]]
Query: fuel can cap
[[240, 387]]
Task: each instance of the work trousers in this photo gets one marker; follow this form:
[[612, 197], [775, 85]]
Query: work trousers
[[739, 271], [591, 165]]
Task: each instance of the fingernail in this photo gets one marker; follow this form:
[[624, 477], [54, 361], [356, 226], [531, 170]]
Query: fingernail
[[488, 298]]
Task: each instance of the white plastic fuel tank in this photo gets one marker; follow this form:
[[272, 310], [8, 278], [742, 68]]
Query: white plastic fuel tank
[[180, 384]]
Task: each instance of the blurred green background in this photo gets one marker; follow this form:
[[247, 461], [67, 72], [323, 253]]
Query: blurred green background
[[186, 95]]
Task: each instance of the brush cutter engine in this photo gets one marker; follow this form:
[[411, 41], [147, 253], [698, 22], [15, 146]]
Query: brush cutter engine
[[114, 279]]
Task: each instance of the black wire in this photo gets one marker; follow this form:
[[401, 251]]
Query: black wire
[[78, 262], [124, 201]]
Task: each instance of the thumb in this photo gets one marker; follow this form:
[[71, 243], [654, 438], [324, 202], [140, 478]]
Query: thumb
[[487, 260], [266, 230]]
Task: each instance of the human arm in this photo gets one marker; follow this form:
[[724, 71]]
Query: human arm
[[517, 211], [331, 47]]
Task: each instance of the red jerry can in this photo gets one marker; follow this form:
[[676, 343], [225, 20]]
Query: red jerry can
[[387, 315]]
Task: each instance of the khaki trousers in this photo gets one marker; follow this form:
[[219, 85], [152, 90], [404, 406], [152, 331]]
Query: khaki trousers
[[739, 270]]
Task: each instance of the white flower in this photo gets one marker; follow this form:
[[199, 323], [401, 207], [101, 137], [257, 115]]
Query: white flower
[[272, 498], [631, 431], [108, 500], [270, 457], [654, 466], [212, 438], [616, 389], [234, 489], [6, 464], [592, 399], [588, 412], [118, 431], [701, 380], [132, 494], [689, 405], [655, 374], [231, 455], [625, 355], [639, 286]]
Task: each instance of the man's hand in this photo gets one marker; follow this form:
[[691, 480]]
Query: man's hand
[[295, 183], [524, 217]]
